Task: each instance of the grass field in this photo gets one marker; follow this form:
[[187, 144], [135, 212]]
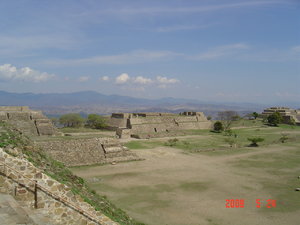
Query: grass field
[[188, 182]]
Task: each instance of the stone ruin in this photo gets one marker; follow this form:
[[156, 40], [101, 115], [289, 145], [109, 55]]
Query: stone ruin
[[88, 151], [287, 114], [29, 122], [72, 152], [146, 125]]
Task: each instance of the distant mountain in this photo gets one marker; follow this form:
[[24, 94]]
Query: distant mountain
[[94, 102]]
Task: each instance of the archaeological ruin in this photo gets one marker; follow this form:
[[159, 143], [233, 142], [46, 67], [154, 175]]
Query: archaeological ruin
[[289, 115], [72, 152], [147, 125], [31, 123]]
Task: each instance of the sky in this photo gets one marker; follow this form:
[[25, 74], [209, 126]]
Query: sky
[[210, 50]]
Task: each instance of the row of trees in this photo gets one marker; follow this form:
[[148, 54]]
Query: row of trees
[[94, 121], [226, 118]]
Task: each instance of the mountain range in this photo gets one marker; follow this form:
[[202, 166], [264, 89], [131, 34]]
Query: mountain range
[[94, 102]]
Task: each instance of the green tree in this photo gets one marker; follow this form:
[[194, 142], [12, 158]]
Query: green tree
[[218, 126], [255, 140], [96, 121], [292, 121], [274, 119], [255, 115], [71, 120]]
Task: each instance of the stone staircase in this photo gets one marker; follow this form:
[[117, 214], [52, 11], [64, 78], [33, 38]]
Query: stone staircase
[[115, 152], [39, 199], [13, 213]]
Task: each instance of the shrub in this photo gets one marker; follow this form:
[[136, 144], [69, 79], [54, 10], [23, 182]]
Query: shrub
[[230, 141], [172, 142], [255, 140], [283, 138], [218, 126]]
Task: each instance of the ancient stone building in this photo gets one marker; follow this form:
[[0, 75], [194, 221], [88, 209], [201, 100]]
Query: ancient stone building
[[72, 152], [144, 125], [87, 151], [287, 114], [29, 122]]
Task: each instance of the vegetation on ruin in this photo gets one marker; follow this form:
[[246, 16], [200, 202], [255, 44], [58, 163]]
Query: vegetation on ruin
[[11, 138]]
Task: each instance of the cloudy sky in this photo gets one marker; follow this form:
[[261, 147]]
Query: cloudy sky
[[215, 50]]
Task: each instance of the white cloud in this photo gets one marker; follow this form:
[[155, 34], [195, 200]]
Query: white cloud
[[142, 80], [165, 80], [104, 78], [181, 28], [198, 9], [123, 78], [21, 45], [9, 72], [220, 51], [83, 78], [137, 56]]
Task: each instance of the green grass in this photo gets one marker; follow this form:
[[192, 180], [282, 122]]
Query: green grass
[[144, 144], [215, 144], [247, 123]]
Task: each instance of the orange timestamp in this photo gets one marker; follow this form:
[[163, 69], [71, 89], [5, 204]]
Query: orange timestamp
[[240, 203]]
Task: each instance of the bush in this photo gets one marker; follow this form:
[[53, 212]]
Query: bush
[[172, 142], [255, 140], [218, 126], [274, 119], [230, 141], [283, 138]]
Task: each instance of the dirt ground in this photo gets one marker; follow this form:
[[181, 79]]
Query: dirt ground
[[172, 187]]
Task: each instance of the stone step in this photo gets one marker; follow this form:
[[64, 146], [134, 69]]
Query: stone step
[[122, 159], [11, 213], [113, 149], [14, 213]]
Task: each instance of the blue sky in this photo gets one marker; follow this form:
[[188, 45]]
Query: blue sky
[[211, 50]]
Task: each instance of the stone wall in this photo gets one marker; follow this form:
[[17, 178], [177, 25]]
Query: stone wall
[[27, 121], [140, 124], [87, 151], [30, 185]]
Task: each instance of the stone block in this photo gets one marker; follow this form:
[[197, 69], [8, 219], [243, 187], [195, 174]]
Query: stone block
[[19, 116]]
